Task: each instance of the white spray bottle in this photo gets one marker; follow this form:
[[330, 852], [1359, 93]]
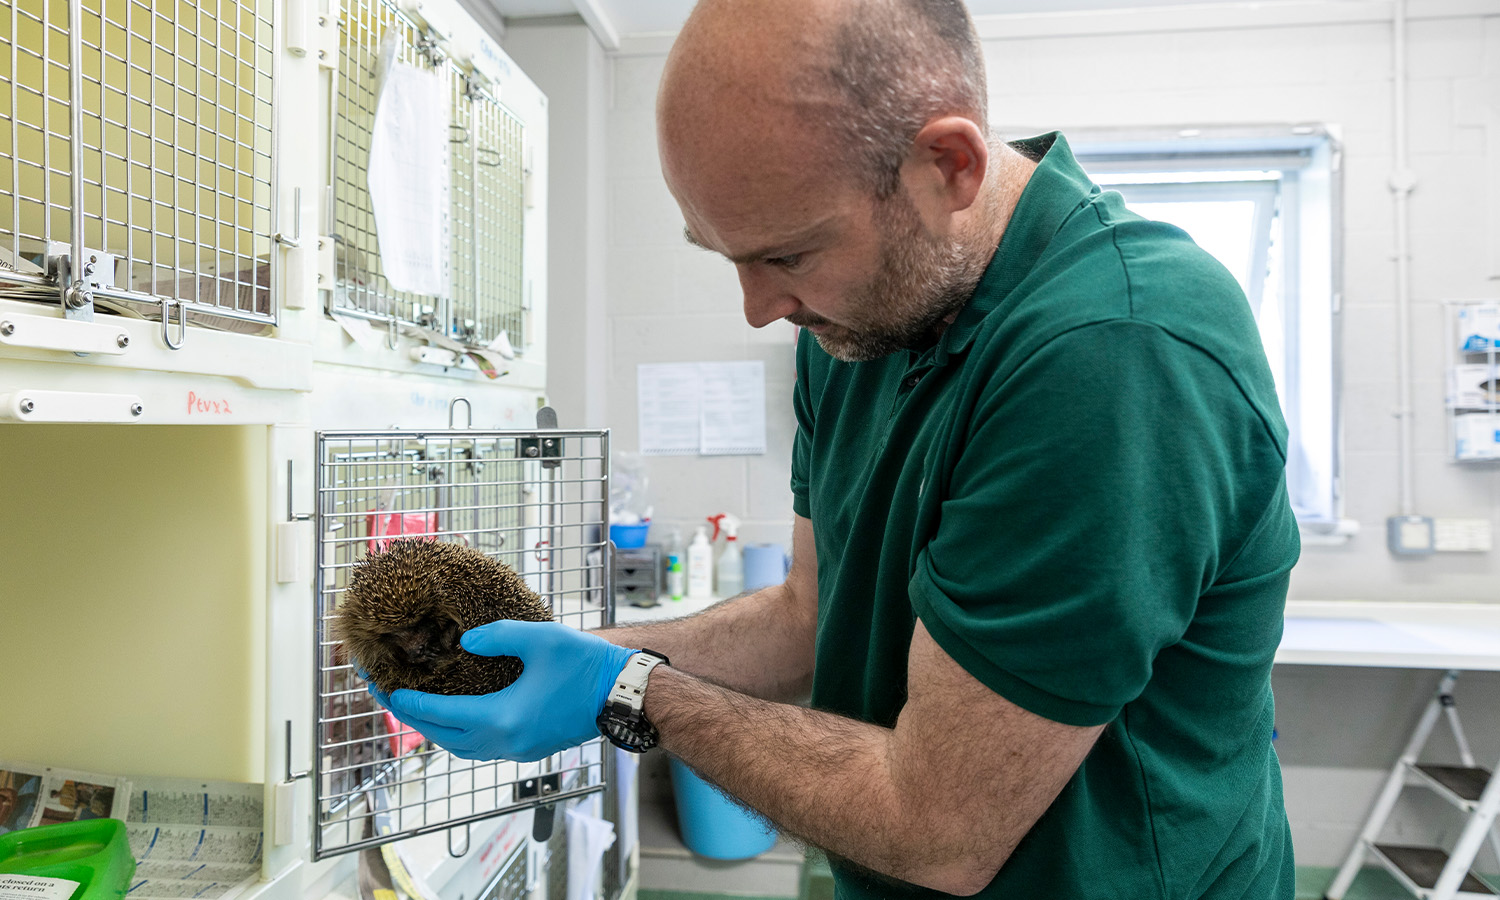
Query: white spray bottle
[[700, 567], [731, 567]]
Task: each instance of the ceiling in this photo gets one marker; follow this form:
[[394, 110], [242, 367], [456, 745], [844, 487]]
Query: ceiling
[[616, 19]]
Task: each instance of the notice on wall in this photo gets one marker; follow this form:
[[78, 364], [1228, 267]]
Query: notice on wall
[[707, 409]]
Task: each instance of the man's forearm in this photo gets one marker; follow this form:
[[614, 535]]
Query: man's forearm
[[829, 780], [760, 644]]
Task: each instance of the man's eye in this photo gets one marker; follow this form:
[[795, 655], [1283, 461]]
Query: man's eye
[[785, 262]]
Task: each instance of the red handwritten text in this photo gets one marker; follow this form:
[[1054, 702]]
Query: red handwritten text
[[203, 406]]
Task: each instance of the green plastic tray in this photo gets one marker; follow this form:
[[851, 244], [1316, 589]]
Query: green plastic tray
[[95, 853]]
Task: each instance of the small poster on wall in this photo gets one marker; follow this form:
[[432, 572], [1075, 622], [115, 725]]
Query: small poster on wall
[[702, 409]]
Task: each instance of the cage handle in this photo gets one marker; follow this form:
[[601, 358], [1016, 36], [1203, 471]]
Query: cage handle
[[166, 323], [453, 411], [294, 241], [290, 775], [391, 339], [459, 854]]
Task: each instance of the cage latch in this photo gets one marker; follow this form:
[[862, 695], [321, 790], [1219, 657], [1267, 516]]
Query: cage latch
[[545, 448], [290, 775], [79, 284], [538, 788], [293, 540], [166, 323]]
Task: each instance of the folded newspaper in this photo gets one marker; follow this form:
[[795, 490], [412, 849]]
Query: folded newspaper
[[190, 838]]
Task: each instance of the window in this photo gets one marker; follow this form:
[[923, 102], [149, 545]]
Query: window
[[1264, 203]]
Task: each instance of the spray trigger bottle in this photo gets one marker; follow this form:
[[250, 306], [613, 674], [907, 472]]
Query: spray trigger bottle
[[731, 569]]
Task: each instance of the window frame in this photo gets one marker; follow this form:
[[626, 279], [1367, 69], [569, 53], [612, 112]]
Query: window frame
[[1309, 197]]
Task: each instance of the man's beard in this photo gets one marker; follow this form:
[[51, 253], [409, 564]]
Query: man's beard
[[923, 279]]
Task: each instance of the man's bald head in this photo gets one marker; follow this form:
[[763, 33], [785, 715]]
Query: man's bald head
[[859, 78]]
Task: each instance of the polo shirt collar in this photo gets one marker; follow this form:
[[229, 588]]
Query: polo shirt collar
[[1057, 188]]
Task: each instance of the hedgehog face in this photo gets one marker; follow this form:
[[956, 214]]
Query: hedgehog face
[[406, 608]]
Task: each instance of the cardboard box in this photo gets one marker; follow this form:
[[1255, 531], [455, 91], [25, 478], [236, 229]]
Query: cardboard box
[[1479, 327], [1474, 386], [1476, 436]]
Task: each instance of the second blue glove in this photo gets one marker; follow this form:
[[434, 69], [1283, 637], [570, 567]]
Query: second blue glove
[[568, 675]]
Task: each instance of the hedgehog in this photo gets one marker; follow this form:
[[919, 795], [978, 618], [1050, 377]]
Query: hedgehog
[[407, 606]]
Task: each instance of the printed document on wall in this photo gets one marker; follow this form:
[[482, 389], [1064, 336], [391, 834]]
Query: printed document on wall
[[709, 409], [408, 176]]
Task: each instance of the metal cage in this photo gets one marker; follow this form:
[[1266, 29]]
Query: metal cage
[[135, 156], [535, 500], [486, 208]]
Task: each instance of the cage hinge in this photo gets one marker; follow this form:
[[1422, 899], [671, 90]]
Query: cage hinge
[[311, 32], [78, 283], [325, 261]]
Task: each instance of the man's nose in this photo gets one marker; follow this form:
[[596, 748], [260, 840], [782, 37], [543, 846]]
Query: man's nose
[[765, 301]]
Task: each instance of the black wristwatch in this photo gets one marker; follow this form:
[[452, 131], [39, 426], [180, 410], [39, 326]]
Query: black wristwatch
[[623, 719]]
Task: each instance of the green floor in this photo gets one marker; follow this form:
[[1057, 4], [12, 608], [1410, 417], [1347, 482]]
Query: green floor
[[1372, 884]]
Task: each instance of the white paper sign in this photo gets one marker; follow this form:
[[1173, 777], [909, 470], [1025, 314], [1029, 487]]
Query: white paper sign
[[710, 409], [408, 177], [27, 887], [732, 412]]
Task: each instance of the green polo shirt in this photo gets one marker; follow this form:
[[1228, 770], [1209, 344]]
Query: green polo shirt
[[1079, 490]]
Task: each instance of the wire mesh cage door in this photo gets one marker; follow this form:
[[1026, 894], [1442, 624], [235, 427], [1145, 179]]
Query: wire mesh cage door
[[488, 213], [534, 500], [136, 156], [486, 180], [361, 288]]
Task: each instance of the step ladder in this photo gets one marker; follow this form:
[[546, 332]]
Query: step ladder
[[1429, 873]]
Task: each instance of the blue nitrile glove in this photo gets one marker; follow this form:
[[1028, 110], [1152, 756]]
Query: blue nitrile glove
[[567, 677]]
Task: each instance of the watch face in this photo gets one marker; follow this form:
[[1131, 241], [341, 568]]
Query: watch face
[[628, 733]]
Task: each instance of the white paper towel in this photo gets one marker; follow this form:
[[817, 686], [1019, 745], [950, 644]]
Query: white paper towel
[[588, 838]]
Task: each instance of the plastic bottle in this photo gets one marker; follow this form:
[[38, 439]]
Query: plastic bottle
[[731, 567], [700, 576], [676, 566]]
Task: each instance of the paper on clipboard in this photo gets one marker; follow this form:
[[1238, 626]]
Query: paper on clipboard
[[708, 409], [407, 174]]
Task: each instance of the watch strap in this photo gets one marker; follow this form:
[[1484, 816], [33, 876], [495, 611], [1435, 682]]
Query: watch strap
[[630, 684]]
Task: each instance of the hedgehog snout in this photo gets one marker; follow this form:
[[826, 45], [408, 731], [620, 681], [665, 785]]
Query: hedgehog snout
[[427, 641]]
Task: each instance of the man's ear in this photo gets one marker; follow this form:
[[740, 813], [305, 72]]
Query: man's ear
[[945, 168]]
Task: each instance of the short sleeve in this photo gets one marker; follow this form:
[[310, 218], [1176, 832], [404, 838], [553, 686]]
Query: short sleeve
[[1083, 513], [802, 443]]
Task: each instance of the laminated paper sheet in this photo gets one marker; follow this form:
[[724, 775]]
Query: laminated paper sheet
[[708, 409]]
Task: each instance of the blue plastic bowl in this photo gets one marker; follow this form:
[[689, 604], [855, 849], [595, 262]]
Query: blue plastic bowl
[[629, 535], [712, 826]]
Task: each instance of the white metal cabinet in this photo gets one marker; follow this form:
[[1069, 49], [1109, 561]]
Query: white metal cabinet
[[202, 196]]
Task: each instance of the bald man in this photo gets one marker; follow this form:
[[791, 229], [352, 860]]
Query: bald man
[[1042, 538]]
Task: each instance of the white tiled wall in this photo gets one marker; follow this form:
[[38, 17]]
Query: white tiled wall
[[666, 301]]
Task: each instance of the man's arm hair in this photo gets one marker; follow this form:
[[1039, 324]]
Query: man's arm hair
[[940, 800], [759, 644]]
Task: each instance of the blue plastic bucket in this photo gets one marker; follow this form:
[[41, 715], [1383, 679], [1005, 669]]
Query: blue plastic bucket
[[713, 826], [627, 536]]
